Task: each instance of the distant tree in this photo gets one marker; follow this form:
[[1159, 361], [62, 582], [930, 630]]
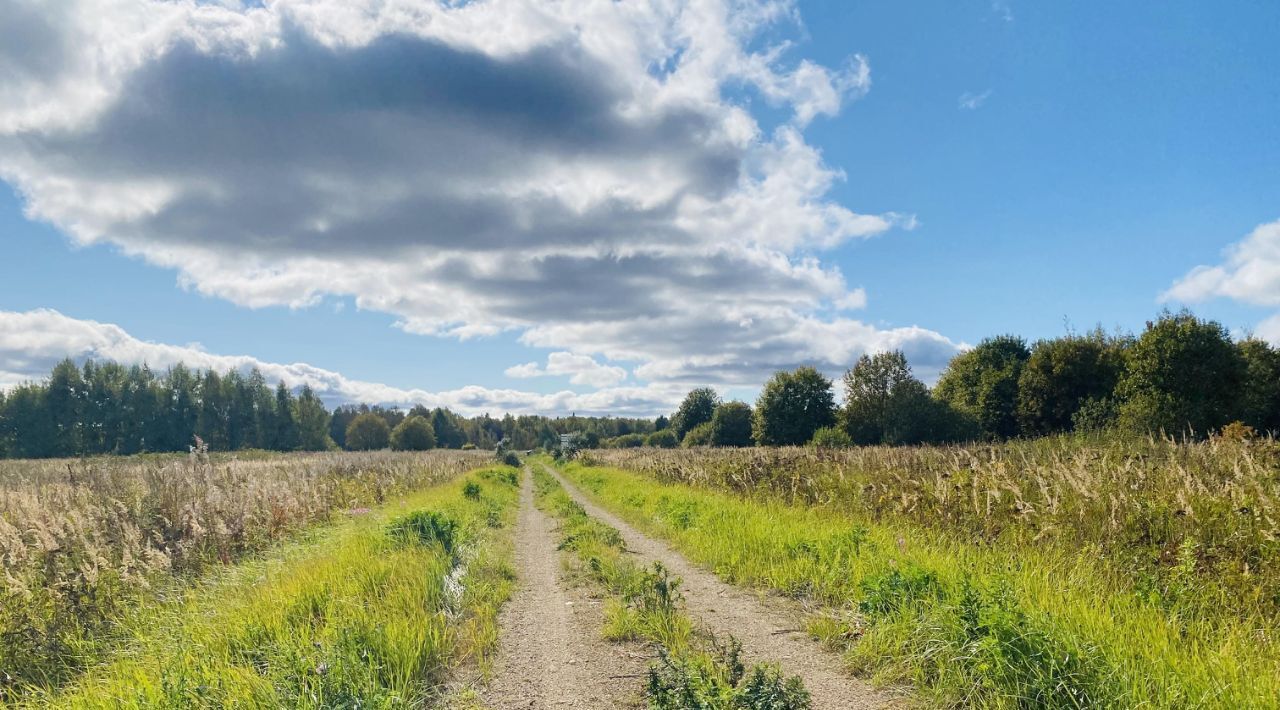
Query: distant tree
[[792, 406], [313, 422], [983, 384], [367, 432], [339, 421], [870, 387], [1183, 375], [662, 439], [731, 425], [697, 408], [831, 437], [413, 434], [448, 433], [286, 436], [698, 436], [26, 424], [1260, 400], [64, 400], [661, 423], [1062, 375]]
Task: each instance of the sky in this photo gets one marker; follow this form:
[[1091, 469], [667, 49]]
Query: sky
[[591, 206]]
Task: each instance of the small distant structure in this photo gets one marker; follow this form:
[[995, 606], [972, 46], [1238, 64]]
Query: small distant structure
[[568, 440]]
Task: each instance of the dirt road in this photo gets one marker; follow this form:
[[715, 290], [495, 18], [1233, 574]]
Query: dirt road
[[550, 650], [768, 629]]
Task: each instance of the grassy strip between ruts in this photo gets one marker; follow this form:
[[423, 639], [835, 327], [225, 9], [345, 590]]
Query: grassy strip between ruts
[[373, 612], [968, 625], [695, 670]]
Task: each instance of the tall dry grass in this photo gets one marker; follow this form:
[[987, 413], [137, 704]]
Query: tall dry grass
[[82, 541], [1194, 525]]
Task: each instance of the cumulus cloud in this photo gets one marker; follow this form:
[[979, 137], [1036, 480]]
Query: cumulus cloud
[[581, 369], [575, 172], [32, 342], [1250, 273]]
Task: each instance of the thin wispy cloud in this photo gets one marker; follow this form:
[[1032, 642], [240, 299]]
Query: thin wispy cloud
[[970, 101]]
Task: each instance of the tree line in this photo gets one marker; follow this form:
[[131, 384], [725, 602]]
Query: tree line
[[108, 408], [1183, 376]]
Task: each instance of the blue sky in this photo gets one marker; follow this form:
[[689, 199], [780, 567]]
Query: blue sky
[[1063, 163]]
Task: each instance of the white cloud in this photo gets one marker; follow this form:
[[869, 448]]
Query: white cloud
[[969, 101], [581, 369], [32, 342], [574, 172], [1250, 272]]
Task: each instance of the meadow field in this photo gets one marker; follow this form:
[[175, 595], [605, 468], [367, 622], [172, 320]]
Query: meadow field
[[1059, 572]]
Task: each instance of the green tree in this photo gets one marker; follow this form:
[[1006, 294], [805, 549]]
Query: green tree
[[286, 426], [26, 424], [659, 424], [1260, 405], [413, 434], [448, 434], [1183, 375], [697, 408], [368, 432], [869, 390], [64, 401], [1063, 374], [792, 406], [731, 425], [313, 422], [983, 384]]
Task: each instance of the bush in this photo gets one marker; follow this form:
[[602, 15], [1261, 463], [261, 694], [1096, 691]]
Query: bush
[[510, 458], [627, 441], [831, 437], [664, 439], [413, 434], [368, 432], [698, 436]]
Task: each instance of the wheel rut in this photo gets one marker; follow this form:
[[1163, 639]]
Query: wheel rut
[[550, 650], [769, 629]]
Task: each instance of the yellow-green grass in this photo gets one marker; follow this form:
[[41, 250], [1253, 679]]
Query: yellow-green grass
[[1019, 625], [363, 613], [695, 669]]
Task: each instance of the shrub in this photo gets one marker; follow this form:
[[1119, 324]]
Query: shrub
[[664, 439], [510, 458], [698, 436], [426, 527], [413, 434], [831, 437]]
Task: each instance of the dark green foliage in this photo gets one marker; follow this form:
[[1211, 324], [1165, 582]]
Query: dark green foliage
[[313, 422], [792, 406], [886, 404], [1064, 374], [663, 439], [718, 680], [982, 384], [426, 527], [1260, 407], [471, 490], [448, 429], [1183, 375], [697, 408], [413, 434], [368, 432], [630, 441], [510, 459], [731, 425]]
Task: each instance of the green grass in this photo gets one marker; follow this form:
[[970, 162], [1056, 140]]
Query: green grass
[[695, 670], [1014, 625], [366, 613]]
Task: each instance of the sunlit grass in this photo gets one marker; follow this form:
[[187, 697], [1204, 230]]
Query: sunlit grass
[[1012, 625], [357, 615]]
